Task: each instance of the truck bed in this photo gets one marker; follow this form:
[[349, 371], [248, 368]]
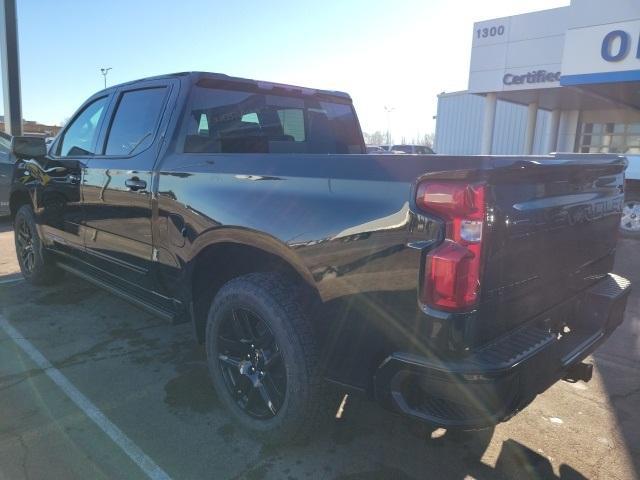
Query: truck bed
[[352, 224]]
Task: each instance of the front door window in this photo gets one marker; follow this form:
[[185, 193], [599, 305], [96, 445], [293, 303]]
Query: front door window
[[79, 138]]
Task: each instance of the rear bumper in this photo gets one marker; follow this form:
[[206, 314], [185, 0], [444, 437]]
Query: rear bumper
[[499, 379]]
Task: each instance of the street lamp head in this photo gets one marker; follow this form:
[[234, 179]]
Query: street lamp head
[[104, 72]]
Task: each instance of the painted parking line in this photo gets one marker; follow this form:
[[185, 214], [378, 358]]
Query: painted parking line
[[15, 279], [148, 466]]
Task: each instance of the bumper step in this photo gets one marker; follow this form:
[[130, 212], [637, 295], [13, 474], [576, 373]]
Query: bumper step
[[502, 377]]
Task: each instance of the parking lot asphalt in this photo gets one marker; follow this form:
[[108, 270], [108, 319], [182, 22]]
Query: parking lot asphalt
[[150, 381]]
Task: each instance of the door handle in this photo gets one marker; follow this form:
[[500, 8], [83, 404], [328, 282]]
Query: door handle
[[135, 184]]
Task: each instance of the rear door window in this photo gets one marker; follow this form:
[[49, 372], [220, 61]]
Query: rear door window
[[134, 123]]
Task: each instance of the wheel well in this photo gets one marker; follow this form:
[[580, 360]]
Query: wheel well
[[220, 263], [18, 199]]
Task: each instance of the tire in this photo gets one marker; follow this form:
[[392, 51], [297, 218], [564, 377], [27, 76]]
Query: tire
[[36, 265], [630, 222], [290, 412]]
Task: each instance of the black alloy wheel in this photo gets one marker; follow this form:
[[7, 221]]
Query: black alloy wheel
[[251, 363], [25, 246], [263, 357], [36, 264]]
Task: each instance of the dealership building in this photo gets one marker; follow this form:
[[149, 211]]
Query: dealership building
[[559, 80]]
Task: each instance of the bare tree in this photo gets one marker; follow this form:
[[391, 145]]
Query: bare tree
[[375, 138], [429, 139], [426, 139], [389, 109]]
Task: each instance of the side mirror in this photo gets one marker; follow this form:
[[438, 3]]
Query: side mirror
[[28, 147]]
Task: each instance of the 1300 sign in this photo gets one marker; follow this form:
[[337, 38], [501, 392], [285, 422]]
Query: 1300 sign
[[495, 31]]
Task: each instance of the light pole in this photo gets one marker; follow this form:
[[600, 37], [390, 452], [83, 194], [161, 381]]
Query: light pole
[[389, 109], [104, 72]]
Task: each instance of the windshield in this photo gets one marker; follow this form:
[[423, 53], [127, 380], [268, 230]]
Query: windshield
[[237, 121]]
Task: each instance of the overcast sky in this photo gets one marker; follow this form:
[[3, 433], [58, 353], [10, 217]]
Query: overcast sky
[[399, 53]]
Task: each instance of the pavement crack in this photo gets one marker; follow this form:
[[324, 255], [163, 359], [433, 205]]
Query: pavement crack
[[25, 455], [21, 377], [77, 359], [13, 384]]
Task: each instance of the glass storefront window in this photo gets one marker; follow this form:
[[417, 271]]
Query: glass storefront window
[[633, 140], [610, 138]]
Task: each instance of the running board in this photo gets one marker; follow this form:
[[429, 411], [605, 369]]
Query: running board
[[160, 312]]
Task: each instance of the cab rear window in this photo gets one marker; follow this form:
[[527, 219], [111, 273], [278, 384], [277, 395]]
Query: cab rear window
[[237, 121]]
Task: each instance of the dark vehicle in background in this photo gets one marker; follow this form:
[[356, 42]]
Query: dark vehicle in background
[[375, 149], [450, 289], [6, 172], [413, 149]]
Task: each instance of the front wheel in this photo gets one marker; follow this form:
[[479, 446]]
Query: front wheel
[[36, 266], [630, 222], [263, 358]]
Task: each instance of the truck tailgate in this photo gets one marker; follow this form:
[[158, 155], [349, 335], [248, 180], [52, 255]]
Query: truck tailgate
[[552, 232]]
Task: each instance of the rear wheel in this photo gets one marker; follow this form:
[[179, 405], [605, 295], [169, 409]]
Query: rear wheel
[[263, 358], [36, 266], [630, 222]]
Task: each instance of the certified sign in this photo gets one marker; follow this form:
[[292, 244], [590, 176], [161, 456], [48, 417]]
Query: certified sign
[[538, 76]]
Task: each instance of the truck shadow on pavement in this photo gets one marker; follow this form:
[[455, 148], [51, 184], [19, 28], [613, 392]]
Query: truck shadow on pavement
[[366, 429], [452, 455], [618, 361]]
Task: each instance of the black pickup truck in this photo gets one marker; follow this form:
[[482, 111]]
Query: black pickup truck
[[450, 289]]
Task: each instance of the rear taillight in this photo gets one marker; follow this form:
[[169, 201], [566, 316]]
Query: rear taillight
[[452, 271]]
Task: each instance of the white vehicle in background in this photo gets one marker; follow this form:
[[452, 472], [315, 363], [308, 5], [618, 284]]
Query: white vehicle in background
[[382, 149], [630, 222], [415, 149]]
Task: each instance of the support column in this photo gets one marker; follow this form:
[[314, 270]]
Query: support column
[[490, 103], [532, 117], [10, 67], [552, 133], [568, 130]]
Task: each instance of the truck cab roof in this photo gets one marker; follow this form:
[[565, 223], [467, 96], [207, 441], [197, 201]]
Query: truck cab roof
[[203, 78]]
